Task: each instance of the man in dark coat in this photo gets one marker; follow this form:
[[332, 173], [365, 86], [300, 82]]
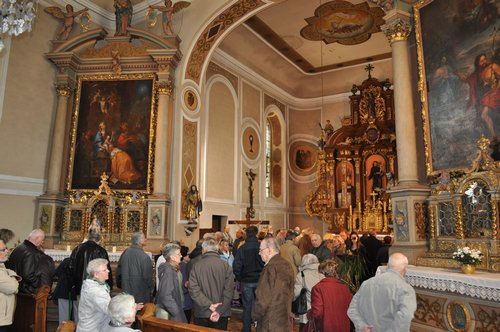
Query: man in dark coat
[[134, 274], [274, 293], [78, 261], [31, 264], [247, 267], [319, 248], [372, 245]]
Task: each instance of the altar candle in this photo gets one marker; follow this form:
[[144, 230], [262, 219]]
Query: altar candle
[[68, 248], [350, 210], [384, 206], [114, 249], [359, 207]]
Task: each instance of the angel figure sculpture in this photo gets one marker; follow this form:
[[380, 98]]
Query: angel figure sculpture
[[168, 12], [68, 19]]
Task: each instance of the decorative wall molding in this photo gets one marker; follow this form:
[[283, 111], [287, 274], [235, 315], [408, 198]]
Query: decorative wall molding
[[21, 186]]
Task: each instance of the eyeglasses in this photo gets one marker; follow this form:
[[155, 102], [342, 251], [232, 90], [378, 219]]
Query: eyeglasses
[[262, 249]]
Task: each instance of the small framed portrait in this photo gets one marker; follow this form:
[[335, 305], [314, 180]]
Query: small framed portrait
[[45, 217], [156, 217]]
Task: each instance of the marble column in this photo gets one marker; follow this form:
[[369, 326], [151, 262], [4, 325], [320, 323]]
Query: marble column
[[397, 31], [54, 183], [408, 196], [50, 206]]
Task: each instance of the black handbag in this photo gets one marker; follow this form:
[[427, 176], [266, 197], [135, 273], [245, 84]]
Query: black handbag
[[299, 305]]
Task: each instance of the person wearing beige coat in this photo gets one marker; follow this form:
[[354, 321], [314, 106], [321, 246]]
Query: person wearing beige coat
[[291, 252], [9, 286]]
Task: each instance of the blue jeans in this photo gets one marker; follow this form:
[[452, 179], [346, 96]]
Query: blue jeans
[[248, 298]]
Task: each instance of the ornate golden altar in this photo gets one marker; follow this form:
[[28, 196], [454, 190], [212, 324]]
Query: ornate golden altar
[[346, 196], [119, 215], [463, 211]]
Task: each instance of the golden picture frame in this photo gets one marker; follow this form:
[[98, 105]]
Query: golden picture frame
[[452, 36], [113, 132]]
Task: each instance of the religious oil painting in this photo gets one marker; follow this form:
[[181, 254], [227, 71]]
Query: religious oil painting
[[303, 157], [459, 65], [113, 133]]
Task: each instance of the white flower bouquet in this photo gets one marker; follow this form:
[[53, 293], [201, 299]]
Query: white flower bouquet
[[467, 255]]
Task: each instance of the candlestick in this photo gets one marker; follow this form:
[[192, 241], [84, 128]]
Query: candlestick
[[114, 249]]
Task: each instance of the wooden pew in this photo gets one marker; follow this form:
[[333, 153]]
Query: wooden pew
[[154, 324], [31, 312], [148, 323]]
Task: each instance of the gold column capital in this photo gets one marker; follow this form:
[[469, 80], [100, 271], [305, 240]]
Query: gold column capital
[[165, 87], [63, 90], [397, 28]]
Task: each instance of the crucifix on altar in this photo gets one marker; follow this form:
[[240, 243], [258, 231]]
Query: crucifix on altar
[[250, 212]]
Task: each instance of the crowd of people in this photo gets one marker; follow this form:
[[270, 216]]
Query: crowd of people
[[260, 270]]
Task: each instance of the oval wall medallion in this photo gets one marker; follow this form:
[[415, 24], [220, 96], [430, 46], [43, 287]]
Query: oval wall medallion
[[191, 100], [251, 143], [303, 156]]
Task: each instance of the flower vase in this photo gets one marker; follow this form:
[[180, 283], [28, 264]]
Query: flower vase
[[468, 268]]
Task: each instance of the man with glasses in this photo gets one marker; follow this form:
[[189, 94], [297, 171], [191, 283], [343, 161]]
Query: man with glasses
[[31, 264], [274, 293], [8, 288]]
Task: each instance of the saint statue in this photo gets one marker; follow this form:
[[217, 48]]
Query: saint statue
[[192, 206]]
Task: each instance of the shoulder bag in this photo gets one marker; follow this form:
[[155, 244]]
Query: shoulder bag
[[299, 305]]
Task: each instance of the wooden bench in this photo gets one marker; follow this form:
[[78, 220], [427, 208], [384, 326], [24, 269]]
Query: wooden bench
[[148, 323], [31, 312]]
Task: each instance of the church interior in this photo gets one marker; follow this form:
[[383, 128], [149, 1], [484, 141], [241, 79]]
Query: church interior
[[317, 114]]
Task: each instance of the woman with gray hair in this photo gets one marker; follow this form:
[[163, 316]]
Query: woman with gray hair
[[170, 296], [121, 311], [94, 298], [307, 277]]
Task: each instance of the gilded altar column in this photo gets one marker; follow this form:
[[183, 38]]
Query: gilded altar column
[[59, 134]]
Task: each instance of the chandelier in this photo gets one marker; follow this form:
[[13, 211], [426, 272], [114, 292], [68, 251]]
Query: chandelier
[[17, 17]]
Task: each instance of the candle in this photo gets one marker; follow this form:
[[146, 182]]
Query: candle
[[359, 207], [68, 248], [384, 206], [114, 249], [350, 210]]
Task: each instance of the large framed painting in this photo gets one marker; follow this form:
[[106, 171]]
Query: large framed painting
[[458, 67], [113, 131]]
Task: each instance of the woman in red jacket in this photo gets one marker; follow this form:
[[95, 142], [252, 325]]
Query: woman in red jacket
[[330, 299]]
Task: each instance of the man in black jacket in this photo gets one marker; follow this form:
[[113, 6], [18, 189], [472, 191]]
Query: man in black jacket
[[247, 267], [31, 264], [79, 259]]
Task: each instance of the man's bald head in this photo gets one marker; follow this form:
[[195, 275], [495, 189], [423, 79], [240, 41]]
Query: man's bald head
[[398, 262]]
